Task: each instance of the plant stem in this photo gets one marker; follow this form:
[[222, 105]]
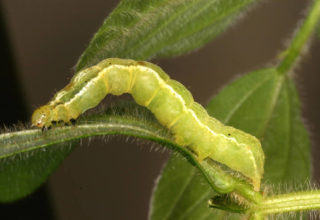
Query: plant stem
[[290, 202], [293, 52]]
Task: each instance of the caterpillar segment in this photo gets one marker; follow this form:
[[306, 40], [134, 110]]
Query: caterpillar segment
[[170, 102]]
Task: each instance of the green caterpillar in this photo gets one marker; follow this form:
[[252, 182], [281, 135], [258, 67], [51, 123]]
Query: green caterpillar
[[171, 103]]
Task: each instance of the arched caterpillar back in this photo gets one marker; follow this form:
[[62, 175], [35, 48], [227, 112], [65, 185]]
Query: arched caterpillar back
[[171, 103]]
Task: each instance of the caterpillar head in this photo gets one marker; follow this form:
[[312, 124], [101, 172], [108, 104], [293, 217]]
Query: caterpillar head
[[42, 116]]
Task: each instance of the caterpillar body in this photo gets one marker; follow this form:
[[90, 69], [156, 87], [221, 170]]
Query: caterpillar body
[[170, 102]]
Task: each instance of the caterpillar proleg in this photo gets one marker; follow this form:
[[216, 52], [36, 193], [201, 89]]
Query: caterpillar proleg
[[170, 102]]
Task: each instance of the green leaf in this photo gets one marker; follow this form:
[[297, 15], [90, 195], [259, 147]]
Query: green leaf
[[144, 29], [262, 103], [22, 173], [286, 144]]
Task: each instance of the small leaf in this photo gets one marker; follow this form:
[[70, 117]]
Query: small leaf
[[262, 103], [144, 29]]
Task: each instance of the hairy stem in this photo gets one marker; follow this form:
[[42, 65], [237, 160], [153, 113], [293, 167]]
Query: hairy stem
[[26, 141], [299, 41], [290, 202]]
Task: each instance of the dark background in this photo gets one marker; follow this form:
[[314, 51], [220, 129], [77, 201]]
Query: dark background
[[114, 180]]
